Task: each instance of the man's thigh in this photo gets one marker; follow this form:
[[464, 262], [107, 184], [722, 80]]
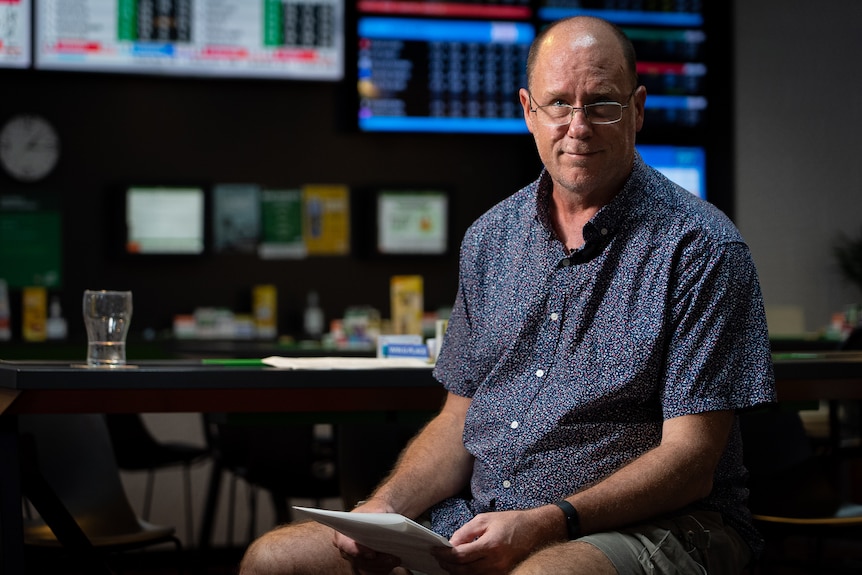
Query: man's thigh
[[569, 558], [696, 542], [299, 549]]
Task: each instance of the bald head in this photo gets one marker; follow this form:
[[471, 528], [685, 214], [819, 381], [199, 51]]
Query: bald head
[[582, 32]]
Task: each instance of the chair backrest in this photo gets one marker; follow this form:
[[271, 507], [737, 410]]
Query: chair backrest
[[76, 458], [131, 439], [283, 457]]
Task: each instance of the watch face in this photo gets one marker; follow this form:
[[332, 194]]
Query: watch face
[[29, 147]]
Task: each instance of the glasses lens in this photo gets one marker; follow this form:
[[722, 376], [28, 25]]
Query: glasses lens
[[604, 113], [556, 115]]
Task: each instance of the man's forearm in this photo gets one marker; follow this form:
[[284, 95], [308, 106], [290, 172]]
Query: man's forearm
[[674, 474], [435, 465]]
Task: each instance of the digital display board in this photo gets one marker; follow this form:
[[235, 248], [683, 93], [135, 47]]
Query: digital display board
[[15, 27], [285, 39], [418, 75], [442, 66]]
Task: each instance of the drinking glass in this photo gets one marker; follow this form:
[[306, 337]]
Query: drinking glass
[[106, 316]]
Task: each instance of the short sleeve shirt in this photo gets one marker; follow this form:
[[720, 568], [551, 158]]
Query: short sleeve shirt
[[573, 360]]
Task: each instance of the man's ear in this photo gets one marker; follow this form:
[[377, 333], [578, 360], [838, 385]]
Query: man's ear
[[529, 117], [639, 99]]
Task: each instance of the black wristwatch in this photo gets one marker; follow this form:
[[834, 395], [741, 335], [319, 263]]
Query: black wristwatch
[[573, 521]]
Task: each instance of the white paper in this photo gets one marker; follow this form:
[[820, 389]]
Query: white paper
[[387, 533], [345, 362]]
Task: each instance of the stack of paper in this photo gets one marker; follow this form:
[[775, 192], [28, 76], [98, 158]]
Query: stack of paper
[[344, 362], [387, 533]]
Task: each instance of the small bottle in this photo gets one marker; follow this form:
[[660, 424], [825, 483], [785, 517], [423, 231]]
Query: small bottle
[[312, 319], [5, 320], [56, 327]]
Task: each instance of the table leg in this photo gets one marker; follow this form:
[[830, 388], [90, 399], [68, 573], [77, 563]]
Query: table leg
[[11, 516]]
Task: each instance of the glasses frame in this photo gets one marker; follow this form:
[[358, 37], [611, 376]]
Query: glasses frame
[[585, 109]]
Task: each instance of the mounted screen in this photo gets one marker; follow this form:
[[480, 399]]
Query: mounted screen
[[442, 66], [401, 220], [165, 221], [670, 41], [412, 222], [684, 165], [285, 39], [15, 27]]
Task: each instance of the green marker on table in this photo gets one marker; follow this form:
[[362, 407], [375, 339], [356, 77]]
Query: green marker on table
[[796, 355], [232, 362]]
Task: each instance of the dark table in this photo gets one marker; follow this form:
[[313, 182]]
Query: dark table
[[813, 376], [186, 386]]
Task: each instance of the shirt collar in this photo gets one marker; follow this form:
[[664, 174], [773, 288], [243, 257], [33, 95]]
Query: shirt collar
[[609, 218]]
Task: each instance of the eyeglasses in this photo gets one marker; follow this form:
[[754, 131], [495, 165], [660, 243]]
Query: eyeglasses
[[598, 114]]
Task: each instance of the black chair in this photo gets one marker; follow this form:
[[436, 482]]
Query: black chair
[[70, 476], [793, 491], [136, 449], [284, 458]]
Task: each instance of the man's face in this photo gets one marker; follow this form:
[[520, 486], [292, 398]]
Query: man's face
[[580, 66]]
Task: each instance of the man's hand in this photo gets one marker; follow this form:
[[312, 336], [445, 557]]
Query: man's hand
[[362, 558], [493, 543]]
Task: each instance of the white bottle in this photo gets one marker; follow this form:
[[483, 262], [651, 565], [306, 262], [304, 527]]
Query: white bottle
[[312, 319], [56, 327]]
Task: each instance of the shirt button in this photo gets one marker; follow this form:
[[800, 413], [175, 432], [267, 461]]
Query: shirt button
[[514, 425], [567, 262], [604, 231], [507, 484], [540, 372], [555, 316]]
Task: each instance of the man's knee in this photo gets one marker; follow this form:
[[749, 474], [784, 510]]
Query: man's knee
[[570, 558], [301, 549]]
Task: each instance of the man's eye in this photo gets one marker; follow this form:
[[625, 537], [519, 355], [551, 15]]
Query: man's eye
[[559, 104]]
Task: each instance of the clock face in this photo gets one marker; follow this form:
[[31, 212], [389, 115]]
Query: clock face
[[29, 147]]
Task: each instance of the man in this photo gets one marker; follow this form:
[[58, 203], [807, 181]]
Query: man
[[607, 326]]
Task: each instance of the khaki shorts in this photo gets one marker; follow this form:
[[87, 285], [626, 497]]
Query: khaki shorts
[[692, 543]]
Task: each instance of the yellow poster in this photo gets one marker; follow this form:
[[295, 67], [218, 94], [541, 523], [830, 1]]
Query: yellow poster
[[407, 302], [326, 217]]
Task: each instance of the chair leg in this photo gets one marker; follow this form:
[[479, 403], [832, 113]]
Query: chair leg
[[230, 510], [213, 494], [148, 494], [187, 483], [252, 514]]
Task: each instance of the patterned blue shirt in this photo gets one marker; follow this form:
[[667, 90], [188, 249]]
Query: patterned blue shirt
[[573, 361]]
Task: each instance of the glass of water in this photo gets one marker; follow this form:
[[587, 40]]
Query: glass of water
[[106, 316]]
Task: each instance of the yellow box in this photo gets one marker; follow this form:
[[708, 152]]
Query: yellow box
[[34, 314], [265, 309], [406, 293]]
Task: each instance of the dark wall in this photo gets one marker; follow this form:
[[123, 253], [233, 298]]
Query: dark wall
[[132, 129]]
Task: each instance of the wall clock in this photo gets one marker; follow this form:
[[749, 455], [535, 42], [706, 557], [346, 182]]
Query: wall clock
[[29, 147]]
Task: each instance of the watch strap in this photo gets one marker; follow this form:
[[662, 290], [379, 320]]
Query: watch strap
[[573, 520]]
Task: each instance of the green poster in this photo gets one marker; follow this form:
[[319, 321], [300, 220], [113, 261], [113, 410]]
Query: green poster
[[30, 247], [281, 224]]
